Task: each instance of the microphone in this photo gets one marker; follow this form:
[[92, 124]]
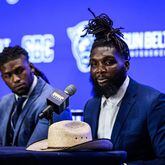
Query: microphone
[[58, 101]]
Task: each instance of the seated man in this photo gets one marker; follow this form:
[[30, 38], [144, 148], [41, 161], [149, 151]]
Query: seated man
[[132, 115], [19, 122]]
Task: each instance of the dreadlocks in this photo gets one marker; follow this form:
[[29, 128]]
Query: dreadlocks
[[11, 53], [105, 35]]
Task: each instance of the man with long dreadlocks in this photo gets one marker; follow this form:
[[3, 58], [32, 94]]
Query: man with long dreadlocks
[[132, 115]]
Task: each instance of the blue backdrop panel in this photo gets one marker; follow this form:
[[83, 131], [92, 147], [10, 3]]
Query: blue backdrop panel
[[42, 27]]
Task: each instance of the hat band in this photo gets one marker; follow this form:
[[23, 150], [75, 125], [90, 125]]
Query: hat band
[[57, 148]]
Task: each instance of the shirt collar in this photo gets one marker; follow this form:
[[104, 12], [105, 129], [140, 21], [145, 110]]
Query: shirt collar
[[116, 99], [31, 89]]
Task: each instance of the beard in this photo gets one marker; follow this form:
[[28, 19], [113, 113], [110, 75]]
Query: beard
[[111, 88]]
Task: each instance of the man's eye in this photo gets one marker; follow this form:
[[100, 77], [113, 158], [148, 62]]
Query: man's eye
[[109, 62], [19, 71], [6, 76]]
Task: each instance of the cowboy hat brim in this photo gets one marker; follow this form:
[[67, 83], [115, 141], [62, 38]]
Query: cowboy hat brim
[[94, 145]]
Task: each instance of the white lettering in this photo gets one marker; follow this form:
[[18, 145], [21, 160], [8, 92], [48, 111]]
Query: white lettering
[[134, 40], [39, 47]]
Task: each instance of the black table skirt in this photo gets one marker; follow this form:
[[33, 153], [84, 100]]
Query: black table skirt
[[19, 156]]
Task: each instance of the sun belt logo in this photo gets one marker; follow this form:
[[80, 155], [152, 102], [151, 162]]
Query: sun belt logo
[[80, 45], [141, 44]]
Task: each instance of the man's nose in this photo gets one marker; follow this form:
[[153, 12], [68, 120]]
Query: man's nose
[[15, 78], [101, 68]]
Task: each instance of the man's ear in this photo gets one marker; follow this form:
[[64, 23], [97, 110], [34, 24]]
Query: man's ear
[[127, 65], [32, 67]]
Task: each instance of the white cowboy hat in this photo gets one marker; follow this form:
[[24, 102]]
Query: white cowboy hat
[[70, 135]]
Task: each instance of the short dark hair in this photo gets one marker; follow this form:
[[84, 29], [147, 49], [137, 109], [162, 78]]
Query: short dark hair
[[12, 53], [105, 35]]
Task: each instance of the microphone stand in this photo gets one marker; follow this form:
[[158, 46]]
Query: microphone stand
[[48, 114]]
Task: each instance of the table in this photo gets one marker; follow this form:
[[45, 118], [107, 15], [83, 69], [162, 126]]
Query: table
[[19, 156]]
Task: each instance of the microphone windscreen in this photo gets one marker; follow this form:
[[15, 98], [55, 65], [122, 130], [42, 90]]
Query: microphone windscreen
[[70, 90]]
